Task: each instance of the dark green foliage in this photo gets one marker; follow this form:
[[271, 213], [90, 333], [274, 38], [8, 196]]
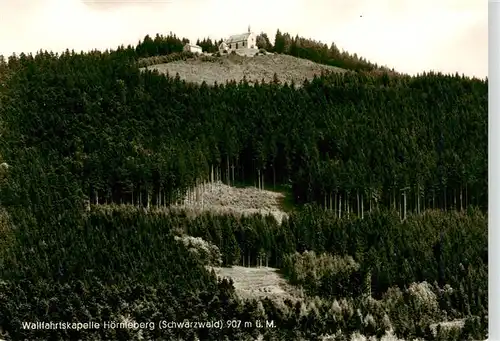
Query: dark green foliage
[[172, 57], [98, 302], [316, 51], [159, 46], [208, 45], [350, 142], [117, 263], [391, 252], [124, 248]]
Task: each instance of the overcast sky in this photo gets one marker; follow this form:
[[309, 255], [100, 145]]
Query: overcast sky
[[411, 36]]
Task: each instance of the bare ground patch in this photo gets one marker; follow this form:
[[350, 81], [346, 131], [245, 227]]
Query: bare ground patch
[[259, 282], [254, 69]]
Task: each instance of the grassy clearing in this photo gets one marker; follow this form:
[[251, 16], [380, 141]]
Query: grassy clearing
[[253, 69], [259, 283]]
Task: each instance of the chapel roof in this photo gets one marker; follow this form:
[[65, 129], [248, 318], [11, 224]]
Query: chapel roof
[[237, 38]]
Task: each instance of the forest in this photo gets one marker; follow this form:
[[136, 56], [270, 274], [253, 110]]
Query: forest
[[388, 173]]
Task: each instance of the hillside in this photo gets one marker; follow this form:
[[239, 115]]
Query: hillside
[[254, 69], [388, 176]]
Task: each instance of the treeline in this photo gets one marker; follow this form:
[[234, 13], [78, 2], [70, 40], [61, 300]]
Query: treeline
[[163, 45], [159, 46], [124, 264], [316, 51], [209, 45], [351, 142]]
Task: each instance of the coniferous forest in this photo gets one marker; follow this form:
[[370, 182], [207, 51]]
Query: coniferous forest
[[387, 172]]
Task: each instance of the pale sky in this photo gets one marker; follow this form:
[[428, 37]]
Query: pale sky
[[411, 36]]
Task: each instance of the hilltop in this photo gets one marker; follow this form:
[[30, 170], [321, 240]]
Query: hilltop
[[211, 69]]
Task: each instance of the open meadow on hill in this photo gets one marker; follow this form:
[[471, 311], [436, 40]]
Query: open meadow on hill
[[261, 68]]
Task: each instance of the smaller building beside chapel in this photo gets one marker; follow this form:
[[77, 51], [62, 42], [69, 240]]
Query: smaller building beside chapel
[[193, 48]]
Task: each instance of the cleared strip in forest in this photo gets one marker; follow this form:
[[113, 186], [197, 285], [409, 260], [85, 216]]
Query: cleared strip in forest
[[219, 198]]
